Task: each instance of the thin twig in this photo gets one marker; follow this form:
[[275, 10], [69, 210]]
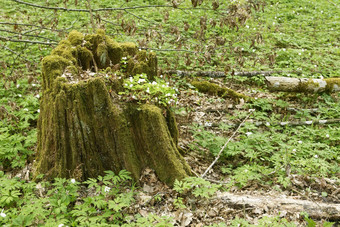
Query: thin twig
[[22, 34], [91, 17], [26, 41], [108, 9], [179, 50], [141, 18], [226, 143], [32, 25], [14, 52], [93, 10]]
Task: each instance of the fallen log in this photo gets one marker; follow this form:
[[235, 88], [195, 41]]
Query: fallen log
[[282, 204], [283, 123], [302, 84], [218, 74]]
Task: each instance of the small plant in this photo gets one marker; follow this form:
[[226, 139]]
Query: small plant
[[159, 92], [198, 187], [26, 204]]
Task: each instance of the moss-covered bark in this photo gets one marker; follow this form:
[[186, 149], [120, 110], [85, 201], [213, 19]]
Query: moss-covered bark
[[214, 89], [306, 85], [84, 129]]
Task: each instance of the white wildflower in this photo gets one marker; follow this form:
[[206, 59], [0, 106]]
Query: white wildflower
[[131, 85], [141, 80], [248, 133], [327, 135], [107, 189], [73, 181], [161, 76], [131, 79], [18, 85], [37, 96], [154, 82], [299, 53], [247, 26], [61, 225], [2, 214], [26, 109], [316, 156], [294, 150], [38, 110], [34, 85], [147, 90], [124, 58], [134, 97], [300, 142], [20, 95]]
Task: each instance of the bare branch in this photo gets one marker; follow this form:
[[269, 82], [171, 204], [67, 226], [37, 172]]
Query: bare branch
[[141, 18], [22, 34], [284, 123], [216, 74], [14, 52], [226, 143], [93, 10], [107, 9], [178, 50], [26, 41], [36, 26]]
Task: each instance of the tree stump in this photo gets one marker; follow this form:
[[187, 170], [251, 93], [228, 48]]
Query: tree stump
[[84, 128]]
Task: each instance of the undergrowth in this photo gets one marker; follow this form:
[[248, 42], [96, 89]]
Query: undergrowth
[[299, 37]]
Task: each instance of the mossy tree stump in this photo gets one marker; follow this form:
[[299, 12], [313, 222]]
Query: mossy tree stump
[[84, 128]]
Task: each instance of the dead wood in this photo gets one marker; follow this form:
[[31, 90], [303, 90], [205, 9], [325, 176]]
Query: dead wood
[[217, 74], [288, 84], [315, 210]]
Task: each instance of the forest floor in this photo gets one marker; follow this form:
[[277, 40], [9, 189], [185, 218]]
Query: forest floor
[[262, 170], [209, 112]]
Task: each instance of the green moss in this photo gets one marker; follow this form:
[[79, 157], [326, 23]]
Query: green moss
[[102, 55], [333, 84], [327, 85], [75, 38], [64, 49], [143, 63], [114, 50], [53, 66], [85, 57], [149, 124], [152, 63], [214, 89], [92, 41], [129, 48]]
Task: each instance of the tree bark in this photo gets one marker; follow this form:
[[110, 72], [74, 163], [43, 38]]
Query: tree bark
[[315, 210], [84, 128], [303, 84]]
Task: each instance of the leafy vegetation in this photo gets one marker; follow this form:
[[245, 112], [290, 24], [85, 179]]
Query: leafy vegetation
[[294, 38]]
